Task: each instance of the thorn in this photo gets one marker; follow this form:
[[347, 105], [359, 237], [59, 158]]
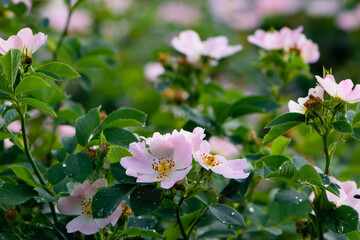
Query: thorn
[[184, 203], [27, 139]]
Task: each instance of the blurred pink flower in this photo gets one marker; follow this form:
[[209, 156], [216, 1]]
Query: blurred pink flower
[[309, 51], [15, 126], [189, 43], [118, 6], [167, 159], [247, 20], [153, 70], [344, 90], [320, 8], [65, 130], [79, 203], [273, 7], [180, 13], [25, 41], [224, 147], [57, 12], [28, 4], [283, 39], [220, 165], [349, 20], [299, 107]]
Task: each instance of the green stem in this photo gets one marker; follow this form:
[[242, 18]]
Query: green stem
[[327, 155], [31, 160], [177, 208], [197, 219], [116, 229], [61, 40]]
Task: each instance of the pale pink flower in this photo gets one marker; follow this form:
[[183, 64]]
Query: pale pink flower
[[79, 203], [167, 159], [15, 126], [309, 51], [56, 11], [195, 137], [320, 8], [299, 106], [118, 6], [189, 43], [28, 4], [25, 41], [220, 165], [247, 20], [180, 13], [348, 20], [153, 70], [223, 147], [344, 90], [272, 7], [65, 130], [218, 47], [276, 40]]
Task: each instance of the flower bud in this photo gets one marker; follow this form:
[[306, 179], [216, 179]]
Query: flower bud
[[11, 214], [126, 210]]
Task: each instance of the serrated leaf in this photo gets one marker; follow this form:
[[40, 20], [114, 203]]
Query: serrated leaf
[[4, 135], [119, 136], [11, 194], [236, 188], [116, 153], [273, 161], [56, 174], [289, 196], [85, 125], [286, 170], [343, 219], [60, 154], [24, 174], [227, 215], [106, 200], [118, 172], [78, 166], [10, 116], [278, 146], [287, 118], [61, 69], [342, 126], [5, 85], [10, 62], [298, 162], [69, 143], [308, 174], [278, 131], [145, 199], [38, 104], [30, 83]]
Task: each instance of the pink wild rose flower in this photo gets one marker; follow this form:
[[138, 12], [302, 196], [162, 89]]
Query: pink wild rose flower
[[344, 90], [79, 203], [317, 92], [25, 41], [166, 159], [189, 43], [309, 51], [220, 165]]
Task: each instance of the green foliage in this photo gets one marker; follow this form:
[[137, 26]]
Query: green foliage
[[145, 199], [342, 126], [116, 153], [85, 125], [343, 219], [11, 193], [227, 215], [56, 174], [38, 104], [30, 83], [78, 166], [289, 196], [10, 63], [24, 174], [60, 69]]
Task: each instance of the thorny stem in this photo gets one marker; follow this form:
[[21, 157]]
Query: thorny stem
[[31, 160], [177, 208], [327, 155], [197, 219]]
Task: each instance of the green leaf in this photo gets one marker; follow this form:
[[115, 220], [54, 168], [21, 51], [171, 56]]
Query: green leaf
[[275, 132], [85, 125], [218, 233], [354, 235], [10, 116], [5, 85], [10, 62], [342, 126], [106, 200], [141, 233], [279, 145], [56, 174], [4, 135], [30, 83], [45, 194], [286, 170], [356, 118], [118, 172], [119, 136], [68, 115], [124, 117], [145, 199], [142, 222], [252, 104], [24, 174], [343, 219], [273, 161], [227, 215], [69, 143], [11, 194], [298, 162], [61, 69], [60, 154], [235, 190], [287, 118], [289, 196], [308, 174], [356, 133], [116, 153], [173, 231], [78, 166], [40, 105]]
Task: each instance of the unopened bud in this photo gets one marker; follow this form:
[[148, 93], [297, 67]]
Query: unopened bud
[[126, 210], [28, 61], [163, 57], [179, 186], [103, 115], [91, 153]]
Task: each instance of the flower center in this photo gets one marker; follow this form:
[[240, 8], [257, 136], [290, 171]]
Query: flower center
[[209, 160], [163, 165], [86, 206]]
